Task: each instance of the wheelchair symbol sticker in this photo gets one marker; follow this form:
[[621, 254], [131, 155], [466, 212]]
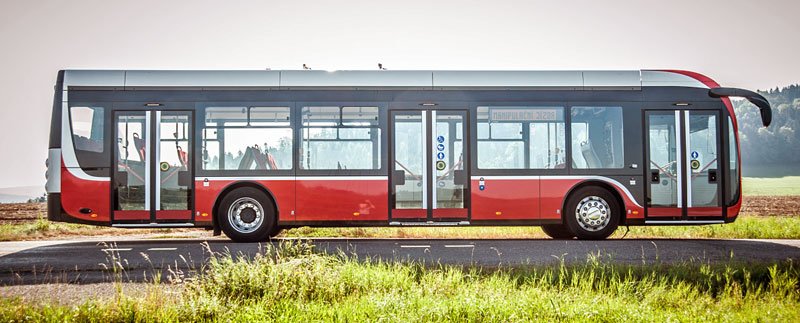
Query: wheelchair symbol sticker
[[440, 139]]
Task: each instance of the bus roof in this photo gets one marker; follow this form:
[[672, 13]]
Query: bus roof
[[377, 79]]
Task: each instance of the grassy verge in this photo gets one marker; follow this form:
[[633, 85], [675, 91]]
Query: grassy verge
[[291, 284], [779, 186], [41, 229], [746, 227]]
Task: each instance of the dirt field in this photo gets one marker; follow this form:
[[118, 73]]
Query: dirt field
[[21, 212]]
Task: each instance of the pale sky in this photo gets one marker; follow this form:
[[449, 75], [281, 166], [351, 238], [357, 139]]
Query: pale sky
[[750, 44]]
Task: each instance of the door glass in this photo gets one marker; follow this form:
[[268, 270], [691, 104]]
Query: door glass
[[131, 169], [448, 162], [702, 159], [174, 161], [409, 158], [663, 156]]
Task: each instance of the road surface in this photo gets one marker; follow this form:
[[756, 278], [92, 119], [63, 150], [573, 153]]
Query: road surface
[[89, 261]]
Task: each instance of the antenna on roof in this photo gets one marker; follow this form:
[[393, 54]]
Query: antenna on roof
[[305, 67], [380, 67]]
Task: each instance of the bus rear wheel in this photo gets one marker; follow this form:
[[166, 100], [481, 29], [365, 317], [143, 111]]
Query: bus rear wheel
[[557, 231], [247, 214], [592, 213]]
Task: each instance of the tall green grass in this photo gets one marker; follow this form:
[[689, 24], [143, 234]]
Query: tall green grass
[[290, 283]]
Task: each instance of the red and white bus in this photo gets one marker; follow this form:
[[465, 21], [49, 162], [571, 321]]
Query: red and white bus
[[248, 153]]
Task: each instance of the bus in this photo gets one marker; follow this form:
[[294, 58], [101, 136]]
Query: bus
[[250, 153]]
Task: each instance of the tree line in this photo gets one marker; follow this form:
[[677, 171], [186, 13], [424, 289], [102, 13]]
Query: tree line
[[777, 144]]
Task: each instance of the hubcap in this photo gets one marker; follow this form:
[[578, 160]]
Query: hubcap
[[593, 213], [246, 215]]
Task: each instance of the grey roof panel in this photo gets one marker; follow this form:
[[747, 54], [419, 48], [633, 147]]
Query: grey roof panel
[[94, 78], [202, 78], [665, 78], [507, 79], [379, 79], [612, 79], [355, 79]]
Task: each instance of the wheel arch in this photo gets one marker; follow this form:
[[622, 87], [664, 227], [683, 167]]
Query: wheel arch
[[597, 183], [240, 184]]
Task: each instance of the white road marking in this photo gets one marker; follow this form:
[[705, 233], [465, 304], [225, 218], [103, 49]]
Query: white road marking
[[116, 249], [459, 246], [415, 246], [161, 249]]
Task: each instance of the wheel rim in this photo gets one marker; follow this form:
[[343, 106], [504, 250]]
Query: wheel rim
[[593, 213], [246, 215]]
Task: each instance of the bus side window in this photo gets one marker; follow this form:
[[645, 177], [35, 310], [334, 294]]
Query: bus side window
[[247, 138], [340, 138], [597, 137]]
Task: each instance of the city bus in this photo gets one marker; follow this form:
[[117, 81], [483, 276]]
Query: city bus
[[250, 153]]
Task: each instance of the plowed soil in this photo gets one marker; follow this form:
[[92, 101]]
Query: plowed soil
[[11, 213]]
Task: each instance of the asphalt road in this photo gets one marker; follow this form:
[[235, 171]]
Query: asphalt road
[[91, 261]]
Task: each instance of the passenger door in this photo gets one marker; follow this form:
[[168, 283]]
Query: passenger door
[[429, 166], [152, 178], [682, 151]]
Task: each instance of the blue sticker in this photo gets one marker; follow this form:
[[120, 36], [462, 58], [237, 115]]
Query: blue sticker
[[481, 187], [440, 147], [695, 154], [440, 155], [440, 139]]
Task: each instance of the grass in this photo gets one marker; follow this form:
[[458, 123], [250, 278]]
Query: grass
[[292, 284], [780, 186], [745, 227], [41, 229]]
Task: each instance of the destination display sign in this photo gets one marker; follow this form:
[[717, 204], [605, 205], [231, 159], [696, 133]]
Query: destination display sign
[[523, 115]]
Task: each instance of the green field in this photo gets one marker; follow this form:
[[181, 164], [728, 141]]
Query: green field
[[755, 186], [295, 285]]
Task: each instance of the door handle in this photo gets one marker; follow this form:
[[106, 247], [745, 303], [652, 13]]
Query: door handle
[[398, 177], [712, 175], [655, 176]]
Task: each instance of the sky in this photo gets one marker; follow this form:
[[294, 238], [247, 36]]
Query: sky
[[749, 44]]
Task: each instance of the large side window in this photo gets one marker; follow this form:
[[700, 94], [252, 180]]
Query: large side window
[[88, 132], [247, 138], [340, 137], [521, 138], [733, 162], [597, 137]]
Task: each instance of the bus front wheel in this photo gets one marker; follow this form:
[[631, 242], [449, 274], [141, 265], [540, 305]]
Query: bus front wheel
[[247, 214], [592, 213]]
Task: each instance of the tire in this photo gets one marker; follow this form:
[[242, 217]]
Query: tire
[[247, 214], [557, 231], [592, 213]]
